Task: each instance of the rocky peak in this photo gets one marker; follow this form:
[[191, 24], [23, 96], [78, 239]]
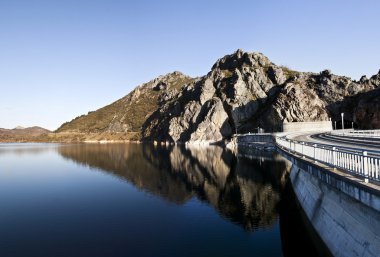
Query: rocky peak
[[169, 83], [166, 80], [363, 79], [240, 58], [326, 73], [375, 79], [242, 91]]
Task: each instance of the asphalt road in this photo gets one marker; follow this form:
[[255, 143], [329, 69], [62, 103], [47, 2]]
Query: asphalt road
[[348, 143]]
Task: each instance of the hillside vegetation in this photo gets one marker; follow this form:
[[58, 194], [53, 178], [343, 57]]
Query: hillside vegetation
[[129, 113], [242, 91]]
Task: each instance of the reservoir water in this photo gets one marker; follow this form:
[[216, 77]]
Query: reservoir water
[[140, 200]]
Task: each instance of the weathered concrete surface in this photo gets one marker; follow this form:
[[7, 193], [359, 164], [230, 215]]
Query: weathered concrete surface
[[344, 212], [307, 126], [253, 142], [346, 217], [254, 138]]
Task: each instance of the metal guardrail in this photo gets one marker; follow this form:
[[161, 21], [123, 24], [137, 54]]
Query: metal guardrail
[[252, 134], [357, 133], [357, 162]]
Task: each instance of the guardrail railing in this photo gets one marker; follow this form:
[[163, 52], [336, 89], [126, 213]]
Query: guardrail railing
[[357, 133], [357, 162]]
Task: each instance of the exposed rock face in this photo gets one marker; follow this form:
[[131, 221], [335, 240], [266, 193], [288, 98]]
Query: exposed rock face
[[250, 92], [362, 105], [214, 125], [242, 91], [367, 111], [295, 102], [212, 107]]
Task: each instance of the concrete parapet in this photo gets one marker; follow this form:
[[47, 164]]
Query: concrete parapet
[[255, 138], [307, 126], [345, 216], [255, 141], [344, 212]]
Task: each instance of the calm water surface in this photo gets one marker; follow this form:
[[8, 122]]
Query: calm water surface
[[138, 200]]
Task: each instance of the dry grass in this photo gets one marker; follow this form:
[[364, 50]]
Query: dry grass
[[128, 111], [227, 73], [289, 73], [67, 137]]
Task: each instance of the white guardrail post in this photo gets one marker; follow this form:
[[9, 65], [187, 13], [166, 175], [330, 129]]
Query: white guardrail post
[[359, 163], [365, 166], [334, 157]]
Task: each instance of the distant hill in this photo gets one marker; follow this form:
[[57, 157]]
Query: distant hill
[[20, 134], [242, 91], [24, 131]]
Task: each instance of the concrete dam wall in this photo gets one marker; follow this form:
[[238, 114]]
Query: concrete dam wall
[[346, 216], [307, 126]]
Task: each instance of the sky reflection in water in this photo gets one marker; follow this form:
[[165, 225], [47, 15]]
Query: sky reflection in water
[[137, 200]]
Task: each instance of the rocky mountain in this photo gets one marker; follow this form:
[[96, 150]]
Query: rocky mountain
[[242, 91], [367, 109], [130, 112]]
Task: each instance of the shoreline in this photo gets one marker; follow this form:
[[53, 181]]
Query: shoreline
[[106, 138]]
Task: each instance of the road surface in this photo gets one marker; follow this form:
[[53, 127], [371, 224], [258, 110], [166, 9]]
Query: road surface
[[371, 145]]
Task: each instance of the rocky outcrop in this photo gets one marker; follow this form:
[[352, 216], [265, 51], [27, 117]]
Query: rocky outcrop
[[367, 111], [214, 124], [249, 91], [215, 106], [243, 91], [361, 108]]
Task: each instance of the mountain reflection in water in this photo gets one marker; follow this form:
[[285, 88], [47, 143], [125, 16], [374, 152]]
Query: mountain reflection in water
[[244, 191]]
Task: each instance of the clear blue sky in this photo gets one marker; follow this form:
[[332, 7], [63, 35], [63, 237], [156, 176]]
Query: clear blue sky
[[61, 59]]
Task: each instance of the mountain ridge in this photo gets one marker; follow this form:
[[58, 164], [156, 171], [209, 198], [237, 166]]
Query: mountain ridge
[[21, 134], [241, 92], [105, 118], [25, 130]]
